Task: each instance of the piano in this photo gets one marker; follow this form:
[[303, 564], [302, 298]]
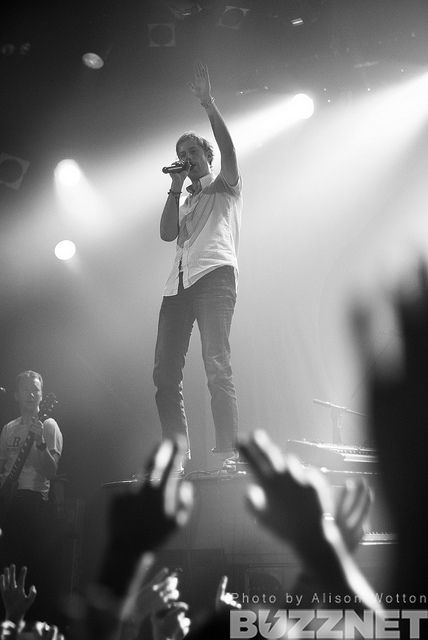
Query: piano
[[334, 457]]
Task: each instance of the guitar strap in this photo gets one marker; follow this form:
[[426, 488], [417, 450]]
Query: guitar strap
[[18, 465], [45, 409]]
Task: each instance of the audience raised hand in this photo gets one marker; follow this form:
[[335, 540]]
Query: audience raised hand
[[139, 522], [41, 631], [160, 592], [171, 623], [224, 600], [290, 500], [214, 624], [398, 410], [8, 630], [351, 511], [16, 600], [148, 599]]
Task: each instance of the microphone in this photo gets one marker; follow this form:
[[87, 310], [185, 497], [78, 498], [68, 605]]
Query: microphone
[[177, 167]]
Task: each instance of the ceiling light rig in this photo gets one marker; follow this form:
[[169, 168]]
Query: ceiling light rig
[[96, 51], [297, 22], [8, 49], [96, 41], [161, 34], [182, 9], [12, 170], [92, 60], [232, 17]]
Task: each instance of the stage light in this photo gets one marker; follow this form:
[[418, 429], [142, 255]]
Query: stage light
[[92, 60], [12, 170], [96, 49], [161, 34], [7, 49], [65, 250], [303, 106], [232, 17], [80, 201], [182, 9], [24, 48], [270, 121], [297, 22], [68, 173]]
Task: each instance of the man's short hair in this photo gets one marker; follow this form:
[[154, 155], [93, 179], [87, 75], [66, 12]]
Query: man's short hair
[[202, 142], [28, 374]]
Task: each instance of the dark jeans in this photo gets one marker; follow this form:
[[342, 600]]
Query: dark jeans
[[210, 301]]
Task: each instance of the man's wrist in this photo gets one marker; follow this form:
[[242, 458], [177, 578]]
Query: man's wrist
[[323, 559], [176, 195], [207, 102]]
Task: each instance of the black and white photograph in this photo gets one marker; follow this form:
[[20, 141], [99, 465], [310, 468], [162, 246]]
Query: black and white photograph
[[213, 319]]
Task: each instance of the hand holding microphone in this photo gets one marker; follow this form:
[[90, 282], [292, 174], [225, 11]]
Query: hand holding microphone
[[177, 167]]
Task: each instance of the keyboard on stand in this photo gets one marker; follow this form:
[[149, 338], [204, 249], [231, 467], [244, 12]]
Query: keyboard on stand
[[379, 537], [340, 463], [333, 456]]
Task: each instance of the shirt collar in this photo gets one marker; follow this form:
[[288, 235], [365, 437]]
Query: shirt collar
[[204, 181]]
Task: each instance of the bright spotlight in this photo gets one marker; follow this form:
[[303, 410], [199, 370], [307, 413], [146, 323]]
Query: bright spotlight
[[303, 106], [271, 121], [68, 173], [65, 250], [92, 60]]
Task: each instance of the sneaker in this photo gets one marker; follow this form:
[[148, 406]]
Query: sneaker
[[231, 463], [177, 471], [219, 450], [181, 468]]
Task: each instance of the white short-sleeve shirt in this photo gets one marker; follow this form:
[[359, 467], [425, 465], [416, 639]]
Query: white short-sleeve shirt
[[13, 437], [209, 228]]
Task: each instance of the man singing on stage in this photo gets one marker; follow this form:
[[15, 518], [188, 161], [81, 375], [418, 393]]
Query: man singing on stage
[[202, 283]]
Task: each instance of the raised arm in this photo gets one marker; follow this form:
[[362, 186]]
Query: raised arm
[[201, 88]]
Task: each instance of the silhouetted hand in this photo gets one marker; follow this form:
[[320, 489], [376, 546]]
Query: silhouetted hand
[[141, 521], [8, 630], [290, 500], [225, 600], [42, 631], [147, 598], [15, 599], [351, 511], [171, 623], [397, 394], [144, 519], [287, 498]]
